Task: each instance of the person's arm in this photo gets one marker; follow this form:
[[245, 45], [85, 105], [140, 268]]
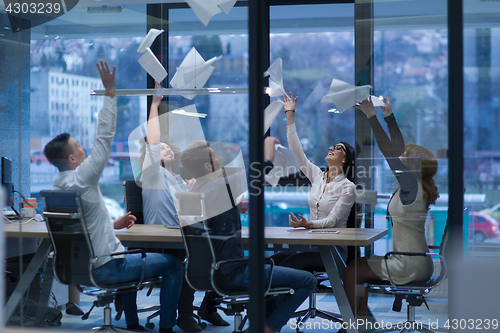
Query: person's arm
[[92, 167], [391, 148], [308, 168], [151, 164], [269, 152], [341, 209]]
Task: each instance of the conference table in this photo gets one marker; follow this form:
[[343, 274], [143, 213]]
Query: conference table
[[324, 240]]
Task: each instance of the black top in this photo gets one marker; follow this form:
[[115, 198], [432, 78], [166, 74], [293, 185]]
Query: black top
[[393, 148]]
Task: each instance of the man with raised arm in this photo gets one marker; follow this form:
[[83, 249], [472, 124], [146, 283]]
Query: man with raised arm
[[77, 173], [159, 183]]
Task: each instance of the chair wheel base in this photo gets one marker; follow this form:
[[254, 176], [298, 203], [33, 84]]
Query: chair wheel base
[[203, 325], [150, 326]]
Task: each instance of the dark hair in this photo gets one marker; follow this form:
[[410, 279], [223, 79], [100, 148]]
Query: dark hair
[[194, 158], [349, 167], [58, 150], [175, 149]]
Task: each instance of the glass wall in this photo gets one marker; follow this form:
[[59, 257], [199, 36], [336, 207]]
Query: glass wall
[[481, 140], [49, 70]]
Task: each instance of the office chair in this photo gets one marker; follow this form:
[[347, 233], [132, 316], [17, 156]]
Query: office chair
[[74, 257], [413, 292], [319, 272], [133, 199], [202, 266], [133, 203]]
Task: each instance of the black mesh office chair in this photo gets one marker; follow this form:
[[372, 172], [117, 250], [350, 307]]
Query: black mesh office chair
[[133, 199], [202, 267], [74, 256], [413, 292]]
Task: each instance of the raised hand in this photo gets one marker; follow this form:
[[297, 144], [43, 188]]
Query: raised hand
[[108, 78], [290, 103], [366, 106], [157, 98], [387, 109]]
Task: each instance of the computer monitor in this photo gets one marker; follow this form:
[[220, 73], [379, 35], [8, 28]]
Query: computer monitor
[[7, 183]]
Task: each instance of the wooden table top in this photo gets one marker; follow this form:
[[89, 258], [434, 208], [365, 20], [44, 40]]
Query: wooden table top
[[273, 235]]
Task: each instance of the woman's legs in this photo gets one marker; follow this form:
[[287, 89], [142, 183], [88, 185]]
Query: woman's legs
[[357, 273]]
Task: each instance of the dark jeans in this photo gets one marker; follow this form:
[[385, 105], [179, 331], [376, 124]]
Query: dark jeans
[[302, 282], [129, 268]]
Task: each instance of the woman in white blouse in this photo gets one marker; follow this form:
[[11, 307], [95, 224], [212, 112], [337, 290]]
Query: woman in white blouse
[[332, 192]]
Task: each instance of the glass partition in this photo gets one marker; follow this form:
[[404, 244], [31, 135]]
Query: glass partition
[[400, 48]]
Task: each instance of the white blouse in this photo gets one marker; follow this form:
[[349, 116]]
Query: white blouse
[[329, 208]]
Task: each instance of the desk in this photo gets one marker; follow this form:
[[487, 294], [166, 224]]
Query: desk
[[142, 235]]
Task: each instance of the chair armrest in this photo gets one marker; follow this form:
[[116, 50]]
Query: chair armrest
[[442, 274]]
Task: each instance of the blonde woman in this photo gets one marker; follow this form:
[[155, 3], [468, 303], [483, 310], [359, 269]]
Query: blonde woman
[[414, 167]]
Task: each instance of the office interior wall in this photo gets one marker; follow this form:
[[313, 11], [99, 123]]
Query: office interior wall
[[15, 104]]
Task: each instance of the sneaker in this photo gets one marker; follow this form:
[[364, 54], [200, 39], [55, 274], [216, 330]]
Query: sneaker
[[213, 318], [188, 324]]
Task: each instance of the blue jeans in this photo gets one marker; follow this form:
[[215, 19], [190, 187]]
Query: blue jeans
[[129, 268], [302, 282]]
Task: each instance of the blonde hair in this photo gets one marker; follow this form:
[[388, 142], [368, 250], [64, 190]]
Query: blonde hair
[[423, 165]]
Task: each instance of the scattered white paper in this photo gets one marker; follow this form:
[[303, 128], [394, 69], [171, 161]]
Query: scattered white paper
[[148, 60], [153, 66], [149, 39], [275, 73], [271, 112], [206, 9], [193, 72], [377, 101], [284, 164], [345, 95]]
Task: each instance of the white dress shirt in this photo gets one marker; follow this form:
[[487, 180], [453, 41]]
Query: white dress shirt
[[329, 204], [85, 179]]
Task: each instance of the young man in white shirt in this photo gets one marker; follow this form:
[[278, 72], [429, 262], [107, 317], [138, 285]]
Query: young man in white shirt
[[78, 173]]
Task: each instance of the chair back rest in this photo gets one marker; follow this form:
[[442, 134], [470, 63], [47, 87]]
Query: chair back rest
[[196, 236], [133, 199], [69, 236], [443, 251]]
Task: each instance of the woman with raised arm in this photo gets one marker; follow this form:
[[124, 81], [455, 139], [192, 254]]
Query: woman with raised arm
[[414, 167], [332, 192]]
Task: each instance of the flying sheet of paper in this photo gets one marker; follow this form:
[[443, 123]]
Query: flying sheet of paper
[[275, 73], [377, 101], [149, 39], [193, 72], [271, 112], [206, 9], [153, 66], [148, 60], [284, 164], [345, 95]]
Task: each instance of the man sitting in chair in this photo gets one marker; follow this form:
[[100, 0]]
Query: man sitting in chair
[[158, 160], [77, 173], [224, 222]]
